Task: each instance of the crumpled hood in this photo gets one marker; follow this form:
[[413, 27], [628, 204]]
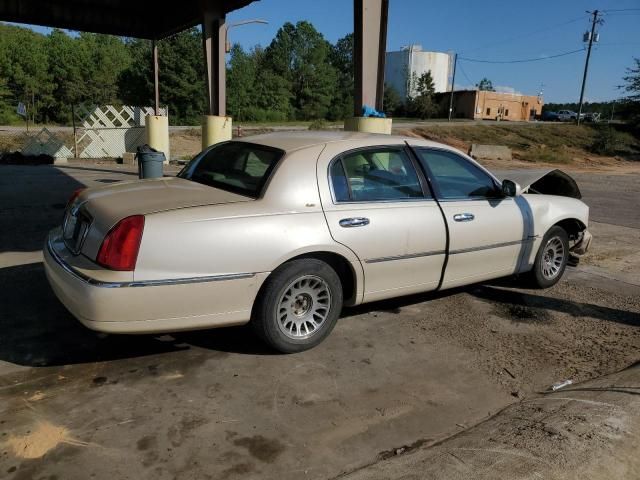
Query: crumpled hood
[[111, 203], [547, 182]]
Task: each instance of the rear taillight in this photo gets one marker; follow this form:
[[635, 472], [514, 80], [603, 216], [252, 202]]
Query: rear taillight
[[119, 249], [75, 195]]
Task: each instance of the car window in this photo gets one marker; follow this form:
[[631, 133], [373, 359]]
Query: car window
[[373, 175], [239, 167], [456, 177]]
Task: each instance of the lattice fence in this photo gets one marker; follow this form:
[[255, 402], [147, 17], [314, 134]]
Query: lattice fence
[[110, 131], [103, 131], [56, 142]]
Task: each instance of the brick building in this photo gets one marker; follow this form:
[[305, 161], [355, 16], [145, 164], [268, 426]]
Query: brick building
[[484, 105]]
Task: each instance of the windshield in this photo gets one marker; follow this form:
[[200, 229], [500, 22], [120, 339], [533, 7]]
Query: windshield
[[238, 167]]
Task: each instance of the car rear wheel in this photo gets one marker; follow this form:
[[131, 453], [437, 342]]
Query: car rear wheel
[[298, 305], [551, 259]]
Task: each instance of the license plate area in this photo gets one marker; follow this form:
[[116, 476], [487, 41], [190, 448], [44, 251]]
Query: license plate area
[[75, 228]]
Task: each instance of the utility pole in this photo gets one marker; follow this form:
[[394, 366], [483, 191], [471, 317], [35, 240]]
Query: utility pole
[[156, 76], [613, 110], [592, 37], [453, 84]]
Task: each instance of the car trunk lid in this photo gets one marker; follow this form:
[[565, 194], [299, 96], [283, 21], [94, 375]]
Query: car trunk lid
[[144, 197], [103, 207]]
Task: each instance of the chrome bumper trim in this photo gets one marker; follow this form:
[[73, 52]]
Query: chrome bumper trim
[[141, 283]]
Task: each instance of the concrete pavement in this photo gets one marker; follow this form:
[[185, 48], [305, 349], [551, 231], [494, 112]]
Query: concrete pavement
[[393, 377]]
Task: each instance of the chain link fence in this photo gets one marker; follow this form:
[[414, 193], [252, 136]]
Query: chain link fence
[[106, 131], [60, 142]]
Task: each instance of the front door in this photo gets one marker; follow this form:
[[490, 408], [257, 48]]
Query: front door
[[376, 204], [488, 232]]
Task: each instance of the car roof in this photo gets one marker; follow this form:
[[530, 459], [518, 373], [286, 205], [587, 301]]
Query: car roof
[[297, 140]]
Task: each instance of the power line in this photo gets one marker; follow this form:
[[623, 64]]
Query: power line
[[526, 35], [621, 10], [465, 75], [616, 44], [525, 60]]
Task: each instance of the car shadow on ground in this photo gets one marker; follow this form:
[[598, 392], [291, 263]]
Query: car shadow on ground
[[37, 331], [499, 292], [32, 202]]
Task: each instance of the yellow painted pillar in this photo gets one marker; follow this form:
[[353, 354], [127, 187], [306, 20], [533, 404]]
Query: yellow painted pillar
[[215, 129], [157, 129], [368, 125]]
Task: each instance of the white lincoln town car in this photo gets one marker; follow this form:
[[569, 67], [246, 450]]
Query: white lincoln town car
[[282, 230]]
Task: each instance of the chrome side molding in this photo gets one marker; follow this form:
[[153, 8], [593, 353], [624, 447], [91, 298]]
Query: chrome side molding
[[140, 283], [493, 245], [404, 257]]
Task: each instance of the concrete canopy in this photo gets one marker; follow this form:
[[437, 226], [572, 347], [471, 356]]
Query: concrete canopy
[[129, 18]]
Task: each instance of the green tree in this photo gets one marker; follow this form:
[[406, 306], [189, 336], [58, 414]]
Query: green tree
[[273, 95], [486, 85], [632, 86], [299, 54], [25, 66], [70, 66], [241, 79], [421, 104], [391, 101], [7, 108], [341, 58], [181, 76], [105, 57], [632, 81]]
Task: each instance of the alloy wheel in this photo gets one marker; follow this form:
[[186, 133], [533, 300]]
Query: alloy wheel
[[303, 307], [553, 257]]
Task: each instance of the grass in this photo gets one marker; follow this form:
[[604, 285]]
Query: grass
[[546, 155], [553, 143]]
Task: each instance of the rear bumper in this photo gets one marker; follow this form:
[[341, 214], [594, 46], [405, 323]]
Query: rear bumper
[[148, 307]]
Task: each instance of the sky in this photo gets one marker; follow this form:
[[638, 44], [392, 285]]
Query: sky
[[484, 30]]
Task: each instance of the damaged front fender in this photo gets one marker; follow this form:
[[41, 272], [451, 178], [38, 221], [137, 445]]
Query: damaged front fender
[[546, 182]]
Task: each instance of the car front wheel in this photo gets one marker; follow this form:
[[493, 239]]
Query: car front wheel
[[298, 306], [551, 259]]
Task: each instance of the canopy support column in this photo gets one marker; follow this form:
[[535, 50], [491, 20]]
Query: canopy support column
[[156, 77], [216, 126], [157, 125], [370, 45]]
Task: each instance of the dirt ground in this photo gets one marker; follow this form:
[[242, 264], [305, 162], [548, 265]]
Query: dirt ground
[[407, 376], [585, 431]]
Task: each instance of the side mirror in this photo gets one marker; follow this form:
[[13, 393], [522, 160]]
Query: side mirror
[[511, 188]]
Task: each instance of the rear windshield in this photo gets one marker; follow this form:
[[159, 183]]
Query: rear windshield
[[238, 167]]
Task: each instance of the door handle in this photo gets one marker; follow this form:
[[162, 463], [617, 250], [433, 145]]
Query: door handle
[[354, 222], [464, 217]]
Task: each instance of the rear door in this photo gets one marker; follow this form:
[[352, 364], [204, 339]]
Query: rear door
[[378, 205], [489, 233]]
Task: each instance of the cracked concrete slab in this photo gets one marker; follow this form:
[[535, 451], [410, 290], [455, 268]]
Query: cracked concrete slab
[[590, 430]]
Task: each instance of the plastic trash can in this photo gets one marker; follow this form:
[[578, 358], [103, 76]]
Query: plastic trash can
[[150, 162]]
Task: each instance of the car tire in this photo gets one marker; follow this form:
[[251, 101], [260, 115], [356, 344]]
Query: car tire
[[298, 305], [551, 259]]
